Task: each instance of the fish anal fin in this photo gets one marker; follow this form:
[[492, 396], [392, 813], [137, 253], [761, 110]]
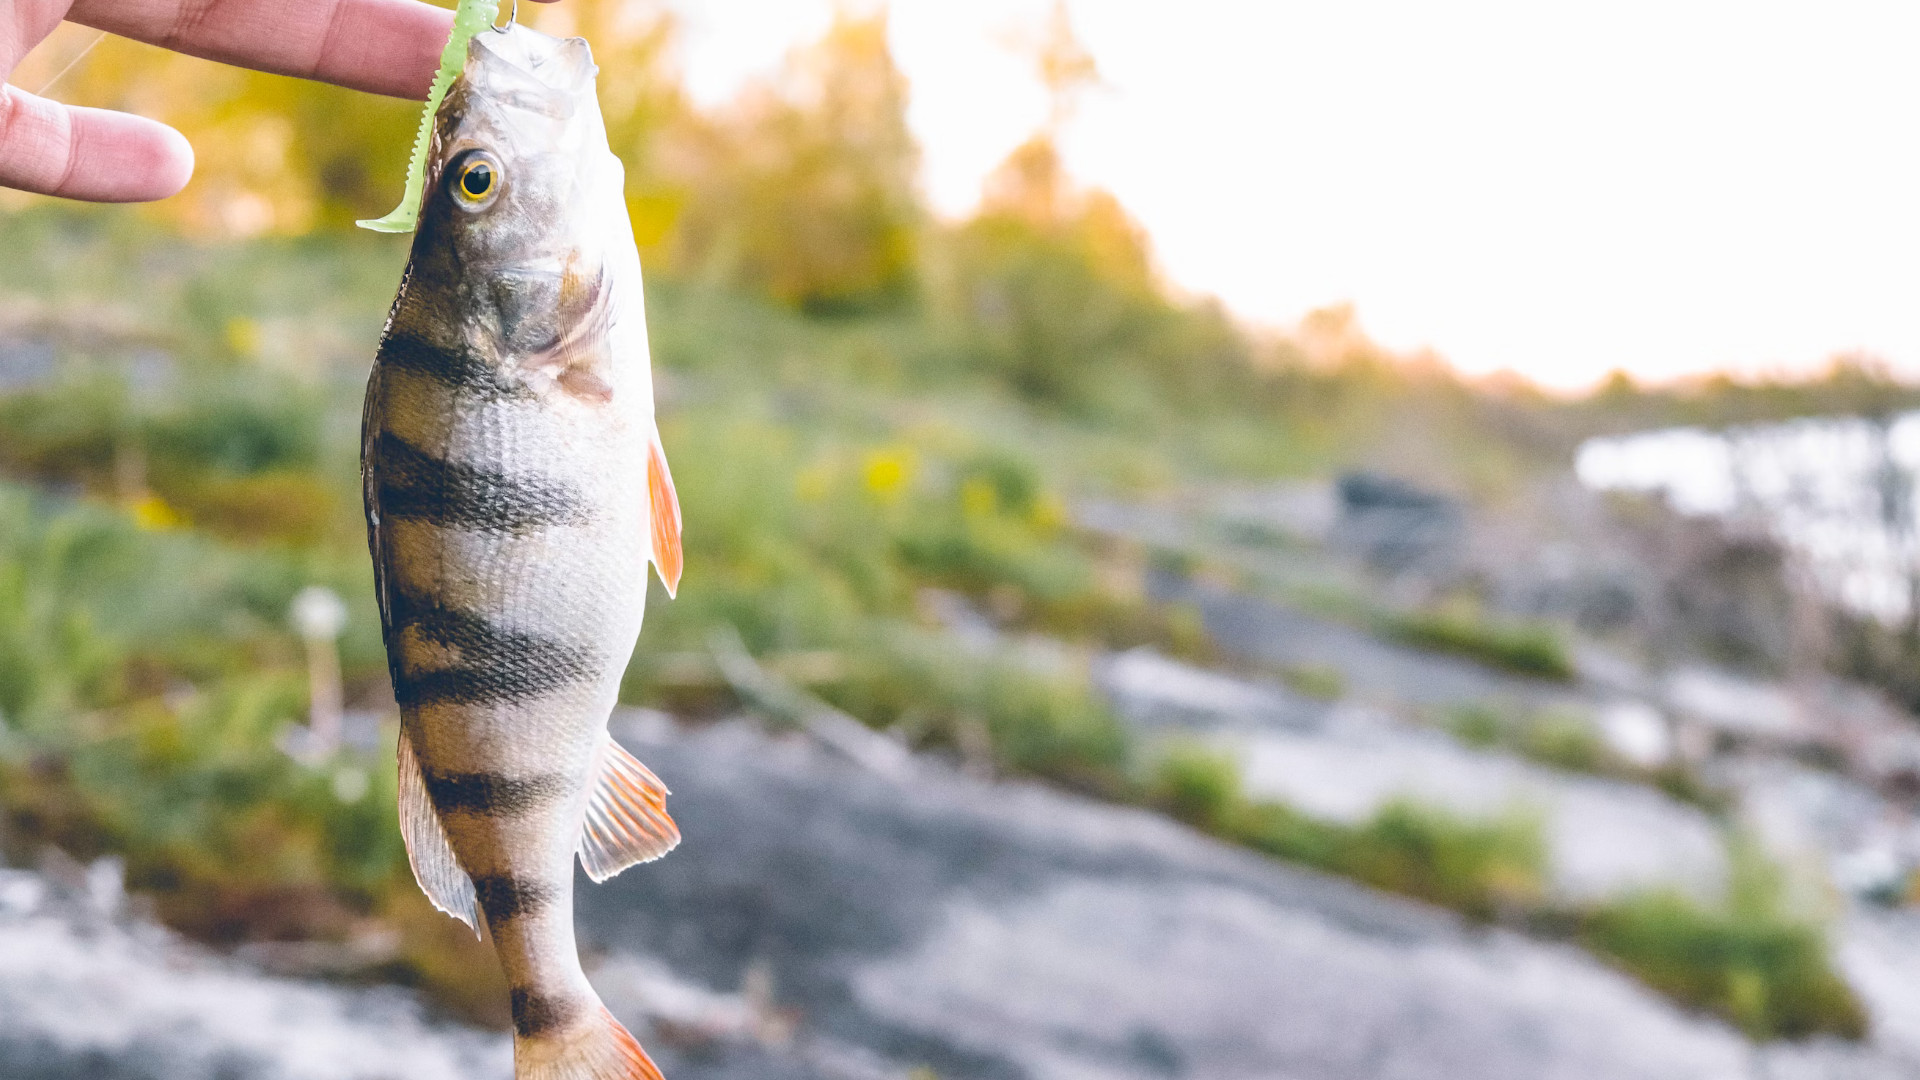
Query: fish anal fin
[[627, 820], [665, 505], [432, 858]]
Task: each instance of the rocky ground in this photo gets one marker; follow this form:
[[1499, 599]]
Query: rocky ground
[[1817, 768], [1342, 762], [89, 991], [822, 921], [830, 919]]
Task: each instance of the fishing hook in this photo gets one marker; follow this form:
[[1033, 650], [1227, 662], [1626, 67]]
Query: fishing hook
[[513, 16]]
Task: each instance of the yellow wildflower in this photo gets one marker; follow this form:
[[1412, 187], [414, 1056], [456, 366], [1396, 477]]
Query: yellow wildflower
[[888, 472]]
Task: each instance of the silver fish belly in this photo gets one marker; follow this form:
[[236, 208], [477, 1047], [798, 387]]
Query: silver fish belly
[[516, 492]]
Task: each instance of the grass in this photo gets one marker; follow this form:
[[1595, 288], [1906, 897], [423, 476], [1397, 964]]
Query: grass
[[1770, 976], [151, 537], [1749, 960], [1461, 627], [1531, 649], [1483, 869], [1322, 682], [1553, 737], [1567, 740]]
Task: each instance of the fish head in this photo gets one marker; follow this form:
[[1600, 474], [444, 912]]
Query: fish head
[[520, 177]]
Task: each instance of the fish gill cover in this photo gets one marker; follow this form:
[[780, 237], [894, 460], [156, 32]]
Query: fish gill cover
[[469, 18]]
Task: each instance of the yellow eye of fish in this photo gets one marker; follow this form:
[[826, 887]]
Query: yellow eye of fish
[[476, 178]]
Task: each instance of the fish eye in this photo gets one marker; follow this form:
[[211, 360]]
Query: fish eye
[[476, 177]]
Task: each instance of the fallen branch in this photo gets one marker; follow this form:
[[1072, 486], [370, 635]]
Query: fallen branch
[[787, 702]]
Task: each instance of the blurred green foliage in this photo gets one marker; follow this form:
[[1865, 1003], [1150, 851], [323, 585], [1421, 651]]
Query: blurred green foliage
[[1534, 649], [1565, 740], [1749, 960], [1198, 784], [805, 189], [1053, 289], [1323, 682], [145, 676]]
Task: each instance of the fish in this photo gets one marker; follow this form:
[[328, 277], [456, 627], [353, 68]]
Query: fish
[[516, 493]]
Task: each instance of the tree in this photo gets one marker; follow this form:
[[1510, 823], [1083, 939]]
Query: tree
[[805, 187]]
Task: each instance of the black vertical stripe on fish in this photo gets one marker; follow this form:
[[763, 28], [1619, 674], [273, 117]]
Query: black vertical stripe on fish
[[535, 1014], [487, 665], [504, 897], [491, 793], [415, 485], [458, 368]]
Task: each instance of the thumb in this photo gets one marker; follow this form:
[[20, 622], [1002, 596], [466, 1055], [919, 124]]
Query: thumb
[[91, 154]]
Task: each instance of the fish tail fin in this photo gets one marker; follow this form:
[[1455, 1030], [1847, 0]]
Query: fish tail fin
[[598, 1048]]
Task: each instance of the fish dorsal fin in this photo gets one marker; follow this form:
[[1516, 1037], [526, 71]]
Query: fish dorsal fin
[[665, 504], [627, 820], [434, 865]]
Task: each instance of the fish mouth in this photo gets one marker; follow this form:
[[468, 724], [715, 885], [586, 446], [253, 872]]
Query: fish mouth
[[523, 60]]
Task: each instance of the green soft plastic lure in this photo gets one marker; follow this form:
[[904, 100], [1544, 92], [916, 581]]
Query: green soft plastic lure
[[469, 18]]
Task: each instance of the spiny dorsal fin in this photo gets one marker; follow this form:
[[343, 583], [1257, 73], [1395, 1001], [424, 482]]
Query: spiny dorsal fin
[[434, 866], [665, 505], [627, 820]]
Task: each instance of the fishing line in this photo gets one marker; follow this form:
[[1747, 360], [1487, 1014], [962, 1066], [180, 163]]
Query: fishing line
[[71, 64], [512, 17]]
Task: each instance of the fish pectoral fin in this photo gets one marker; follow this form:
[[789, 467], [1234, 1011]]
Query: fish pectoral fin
[[579, 360], [428, 851], [665, 506], [627, 820]]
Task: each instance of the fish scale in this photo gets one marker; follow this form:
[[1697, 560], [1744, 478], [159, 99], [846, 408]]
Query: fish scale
[[516, 491]]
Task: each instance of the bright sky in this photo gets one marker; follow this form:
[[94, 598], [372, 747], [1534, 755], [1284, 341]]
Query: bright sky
[[1556, 189]]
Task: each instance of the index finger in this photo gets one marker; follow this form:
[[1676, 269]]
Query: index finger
[[383, 46]]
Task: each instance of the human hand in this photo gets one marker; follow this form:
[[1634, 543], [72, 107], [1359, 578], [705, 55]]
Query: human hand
[[383, 46]]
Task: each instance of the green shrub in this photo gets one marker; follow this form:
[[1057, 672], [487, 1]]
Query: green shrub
[[1283, 832], [1522, 648], [1477, 725], [1565, 741], [1480, 868], [1483, 869], [1769, 975], [1322, 682], [1199, 785]]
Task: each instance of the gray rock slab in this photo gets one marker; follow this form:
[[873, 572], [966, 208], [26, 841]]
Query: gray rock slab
[[1878, 950], [100, 999], [1010, 931]]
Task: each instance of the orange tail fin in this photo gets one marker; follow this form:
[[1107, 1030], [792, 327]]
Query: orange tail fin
[[600, 1049]]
